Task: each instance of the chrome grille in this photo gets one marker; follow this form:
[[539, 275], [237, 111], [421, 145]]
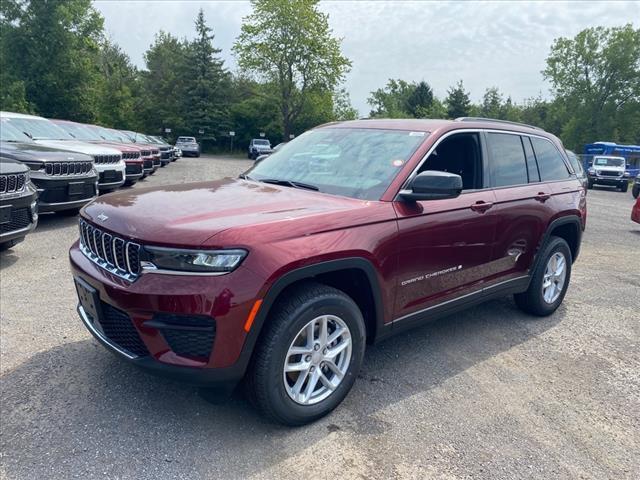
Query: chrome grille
[[145, 153], [107, 158], [114, 254], [130, 155], [68, 168], [13, 183]]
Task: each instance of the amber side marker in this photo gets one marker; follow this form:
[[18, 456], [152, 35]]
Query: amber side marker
[[252, 315]]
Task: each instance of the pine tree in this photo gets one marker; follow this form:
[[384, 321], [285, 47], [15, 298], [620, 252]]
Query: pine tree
[[457, 101]]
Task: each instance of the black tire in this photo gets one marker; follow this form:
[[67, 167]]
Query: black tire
[[589, 185], [264, 383], [10, 244], [624, 187], [532, 300], [635, 192], [198, 155]]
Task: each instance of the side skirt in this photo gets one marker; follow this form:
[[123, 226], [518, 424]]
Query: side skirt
[[435, 312]]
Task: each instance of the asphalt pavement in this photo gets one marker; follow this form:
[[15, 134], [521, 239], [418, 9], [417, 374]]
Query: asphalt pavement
[[488, 393]]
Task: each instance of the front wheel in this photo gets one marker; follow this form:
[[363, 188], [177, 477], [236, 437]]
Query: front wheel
[[310, 355], [590, 184], [635, 192], [624, 187], [549, 281]]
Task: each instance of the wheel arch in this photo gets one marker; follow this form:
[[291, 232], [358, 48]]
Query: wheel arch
[[335, 273], [568, 228]]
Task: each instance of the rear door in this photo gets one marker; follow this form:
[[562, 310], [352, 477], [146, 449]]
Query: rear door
[[524, 205]]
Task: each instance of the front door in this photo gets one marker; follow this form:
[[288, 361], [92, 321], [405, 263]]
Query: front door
[[445, 245]]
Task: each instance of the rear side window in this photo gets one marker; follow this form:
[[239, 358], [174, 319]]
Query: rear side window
[[507, 160], [550, 162], [532, 166]]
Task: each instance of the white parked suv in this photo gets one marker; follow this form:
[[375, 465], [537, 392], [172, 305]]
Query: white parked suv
[[108, 161], [606, 170]]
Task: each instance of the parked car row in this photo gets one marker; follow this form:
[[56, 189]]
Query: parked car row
[[59, 166]]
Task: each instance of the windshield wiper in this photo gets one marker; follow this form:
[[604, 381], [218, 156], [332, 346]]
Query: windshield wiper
[[289, 183], [244, 176]]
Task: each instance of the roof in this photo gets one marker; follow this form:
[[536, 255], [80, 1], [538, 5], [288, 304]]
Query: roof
[[430, 125]]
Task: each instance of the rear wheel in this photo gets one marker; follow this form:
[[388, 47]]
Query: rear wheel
[[310, 355], [549, 281]]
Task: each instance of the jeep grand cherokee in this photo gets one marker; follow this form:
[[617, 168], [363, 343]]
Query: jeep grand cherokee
[[65, 181], [355, 231]]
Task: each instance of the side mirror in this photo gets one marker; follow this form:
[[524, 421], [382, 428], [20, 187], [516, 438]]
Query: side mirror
[[433, 185]]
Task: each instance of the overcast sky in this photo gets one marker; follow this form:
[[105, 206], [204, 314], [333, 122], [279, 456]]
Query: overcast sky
[[483, 43]]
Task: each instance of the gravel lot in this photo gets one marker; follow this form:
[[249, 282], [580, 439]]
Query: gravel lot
[[490, 393]]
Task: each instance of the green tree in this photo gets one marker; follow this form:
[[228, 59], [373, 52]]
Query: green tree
[[206, 84], [392, 100], [342, 108], [420, 100], [492, 104], [117, 96], [457, 101], [50, 48], [163, 90], [596, 76], [290, 45]]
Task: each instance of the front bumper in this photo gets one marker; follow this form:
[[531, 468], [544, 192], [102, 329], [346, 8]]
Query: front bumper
[[158, 303], [63, 193], [134, 171], [607, 180], [22, 217]]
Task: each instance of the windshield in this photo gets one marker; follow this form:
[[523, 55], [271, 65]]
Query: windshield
[[39, 129], [186, 140], [608, 162], [10, 134], [261, 142], [354, 162], [79, 132]]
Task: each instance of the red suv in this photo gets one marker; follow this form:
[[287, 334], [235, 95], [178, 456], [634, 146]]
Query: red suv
[[350, 233]]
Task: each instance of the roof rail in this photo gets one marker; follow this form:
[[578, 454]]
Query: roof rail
[[482, 119]]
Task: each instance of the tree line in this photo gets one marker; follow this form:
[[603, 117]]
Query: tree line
[[595, 95], [56, 61]]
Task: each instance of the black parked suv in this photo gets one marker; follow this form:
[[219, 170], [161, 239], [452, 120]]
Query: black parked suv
[[18, 206], [65, 181]]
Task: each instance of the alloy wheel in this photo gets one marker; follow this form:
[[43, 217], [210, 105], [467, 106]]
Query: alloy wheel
[[317, 360]]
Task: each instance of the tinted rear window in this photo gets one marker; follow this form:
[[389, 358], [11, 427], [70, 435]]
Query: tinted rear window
[[550, 162], [508, 164]]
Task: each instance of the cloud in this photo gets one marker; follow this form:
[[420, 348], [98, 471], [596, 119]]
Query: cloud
[[486, 44]]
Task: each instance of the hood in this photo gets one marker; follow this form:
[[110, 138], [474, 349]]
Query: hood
[[188, 215], [33, 152], [123, 147], [8, 166], [81, 147]]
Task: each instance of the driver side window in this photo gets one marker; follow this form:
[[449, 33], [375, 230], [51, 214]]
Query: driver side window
[[460, 154]]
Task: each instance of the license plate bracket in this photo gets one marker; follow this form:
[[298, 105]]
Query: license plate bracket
[[76, 188], [89, 300]]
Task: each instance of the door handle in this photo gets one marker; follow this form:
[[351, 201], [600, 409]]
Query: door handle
[[481, 206], [542, 197]]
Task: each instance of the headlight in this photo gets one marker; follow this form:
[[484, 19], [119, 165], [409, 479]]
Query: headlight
[[591, 171], [203, 261], [626, 174]]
